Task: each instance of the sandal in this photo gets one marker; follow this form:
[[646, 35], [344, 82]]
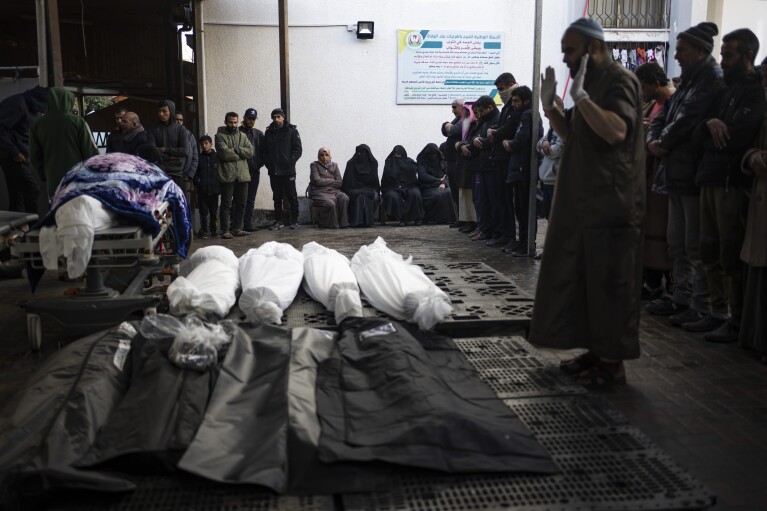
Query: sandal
[[581, 363], [599, 377]]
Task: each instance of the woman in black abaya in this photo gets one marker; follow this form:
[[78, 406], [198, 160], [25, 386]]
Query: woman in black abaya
[[362, 186], [401, 195], [432, 176]]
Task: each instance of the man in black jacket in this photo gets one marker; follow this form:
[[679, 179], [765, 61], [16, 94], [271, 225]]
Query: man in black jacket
[[517, 179], [670, 139], [487, 194], [256, 138], [724, 188], [282, 149], [452, 132], [507, 125]]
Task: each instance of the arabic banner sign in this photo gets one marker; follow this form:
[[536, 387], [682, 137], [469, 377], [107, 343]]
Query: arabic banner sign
[[434, 67]]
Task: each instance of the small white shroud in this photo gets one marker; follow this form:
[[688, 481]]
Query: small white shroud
[[397, 287], [270, 276], [208, 284], [329, 279]]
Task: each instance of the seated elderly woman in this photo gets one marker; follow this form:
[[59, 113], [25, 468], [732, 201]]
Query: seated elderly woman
[[399, 187], [329, 203], [362, 186], [432, 176]]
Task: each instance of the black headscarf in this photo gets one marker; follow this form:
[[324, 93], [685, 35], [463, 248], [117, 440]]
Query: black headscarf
[[432, 161], [399, 172], [361, 170]]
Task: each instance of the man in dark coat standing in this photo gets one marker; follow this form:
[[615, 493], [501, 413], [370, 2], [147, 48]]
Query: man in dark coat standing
[[282, 149], [172, 142], [670, 138], [724, 188], [16, 115], [256, 138]]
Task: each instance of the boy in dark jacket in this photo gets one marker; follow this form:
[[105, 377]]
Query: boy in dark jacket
[[208, 187]]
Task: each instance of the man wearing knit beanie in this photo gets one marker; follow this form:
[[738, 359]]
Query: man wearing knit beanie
[[701, 35], [670, 138], [590, 278]]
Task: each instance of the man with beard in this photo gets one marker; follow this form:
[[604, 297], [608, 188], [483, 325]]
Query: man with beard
[[507, 126], [114, 140], [589, 285], [282, 149], [256, 138], [234, 150], [724, 188], [670, 138], [133, 134]]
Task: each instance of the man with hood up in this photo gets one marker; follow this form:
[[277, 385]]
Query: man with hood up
[[170, 138], [282, 149], [16, 115], [59, 139]]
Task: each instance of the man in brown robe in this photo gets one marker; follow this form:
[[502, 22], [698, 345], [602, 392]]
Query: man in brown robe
[[590, 280]]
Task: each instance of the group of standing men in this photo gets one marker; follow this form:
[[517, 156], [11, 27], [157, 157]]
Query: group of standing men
[[702, 153], [232, 174]]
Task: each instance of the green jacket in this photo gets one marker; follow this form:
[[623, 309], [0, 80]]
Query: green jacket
[[59, 139], [234, 150]]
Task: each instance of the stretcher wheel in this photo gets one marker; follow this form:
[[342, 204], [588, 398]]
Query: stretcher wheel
[[35, 331]]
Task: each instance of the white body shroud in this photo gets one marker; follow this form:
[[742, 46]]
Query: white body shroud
[[208, 283], [270, 276], [397, 287], [329, 279], [72, 236]]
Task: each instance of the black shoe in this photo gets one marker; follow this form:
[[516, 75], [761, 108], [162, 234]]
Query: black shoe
[[665, 306], [456, 225], [418, 222], [726, 333], [520, 251], [706, 324], [686, 316], [468, 227], [402, 223], [496, 242], [295, 226], [239, 233], [250, 229], [276, 225]]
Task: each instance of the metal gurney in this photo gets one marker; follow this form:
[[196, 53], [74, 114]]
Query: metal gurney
[[118, 282]]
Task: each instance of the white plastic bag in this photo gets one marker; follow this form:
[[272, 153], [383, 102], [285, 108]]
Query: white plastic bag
[[270, 276], [195, 344], [210, 288], [397, 287], [329, 279]]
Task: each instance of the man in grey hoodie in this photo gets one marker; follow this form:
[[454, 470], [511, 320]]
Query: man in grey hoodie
[[170, 139]]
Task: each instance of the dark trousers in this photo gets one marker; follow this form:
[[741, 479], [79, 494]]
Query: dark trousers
[[548, 196], [490, 204], [235, 192], [284, 187], [250, 201], [521, 193], [506, 200], [452, 182], [23, 185], [208, 205]]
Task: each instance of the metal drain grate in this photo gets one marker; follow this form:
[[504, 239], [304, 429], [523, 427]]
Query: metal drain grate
[[616, 440], [563, 416], [183, 494], [494, 347], [633, 481], [508, 382]]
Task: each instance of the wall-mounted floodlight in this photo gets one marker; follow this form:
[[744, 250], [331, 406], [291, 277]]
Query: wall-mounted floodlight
[[365, 30]]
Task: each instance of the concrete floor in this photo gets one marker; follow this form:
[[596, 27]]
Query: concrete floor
[[704, 404]]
